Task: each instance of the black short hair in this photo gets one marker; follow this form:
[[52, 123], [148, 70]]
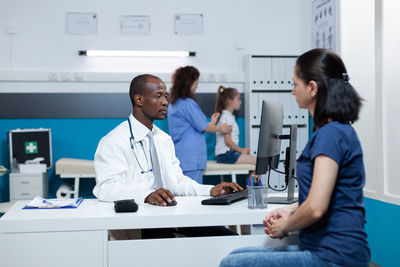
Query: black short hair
[[336, 97], [139, 85]]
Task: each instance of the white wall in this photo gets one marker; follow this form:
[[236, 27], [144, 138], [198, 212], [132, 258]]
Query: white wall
[[232, 29], [390, 97], [369, 48]]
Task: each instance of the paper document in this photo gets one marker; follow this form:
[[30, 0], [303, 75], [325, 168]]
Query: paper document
[[54, 203]]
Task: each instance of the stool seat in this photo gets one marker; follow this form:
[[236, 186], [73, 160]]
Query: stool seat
[[212, 165], [214, 168]]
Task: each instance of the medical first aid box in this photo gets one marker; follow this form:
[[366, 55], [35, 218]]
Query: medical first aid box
[[28, 144]]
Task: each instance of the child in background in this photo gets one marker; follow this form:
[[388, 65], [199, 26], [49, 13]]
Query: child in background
[[227, 149]]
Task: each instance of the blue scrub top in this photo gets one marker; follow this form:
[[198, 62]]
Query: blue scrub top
[[339, 235], [186, 123]]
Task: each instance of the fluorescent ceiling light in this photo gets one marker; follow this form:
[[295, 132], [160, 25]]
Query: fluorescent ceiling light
[[135, 53]]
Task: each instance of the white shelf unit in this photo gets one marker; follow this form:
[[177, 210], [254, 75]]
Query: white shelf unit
[[271, 78]]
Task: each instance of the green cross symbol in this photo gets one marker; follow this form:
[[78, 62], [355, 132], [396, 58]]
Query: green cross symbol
[[31, 147]]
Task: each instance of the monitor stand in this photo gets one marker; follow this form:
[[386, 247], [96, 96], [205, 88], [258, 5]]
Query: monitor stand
[[289, 170]]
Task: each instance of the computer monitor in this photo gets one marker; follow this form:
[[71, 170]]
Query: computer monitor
[[269, 142], [269, 148]]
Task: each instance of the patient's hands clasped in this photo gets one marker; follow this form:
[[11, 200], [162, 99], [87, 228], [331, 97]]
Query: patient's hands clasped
[[275, 222]]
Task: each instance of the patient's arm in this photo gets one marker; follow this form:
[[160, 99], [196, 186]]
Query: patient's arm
[[233, 146], [316, 203]]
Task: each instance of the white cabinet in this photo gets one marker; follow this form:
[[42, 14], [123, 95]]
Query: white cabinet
[[271, 78], [28, 185]]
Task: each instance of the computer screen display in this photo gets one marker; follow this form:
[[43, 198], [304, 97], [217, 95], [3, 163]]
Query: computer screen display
[[269, 143]]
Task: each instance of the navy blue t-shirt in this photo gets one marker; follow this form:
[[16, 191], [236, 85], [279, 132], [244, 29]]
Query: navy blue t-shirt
[[339, 235]]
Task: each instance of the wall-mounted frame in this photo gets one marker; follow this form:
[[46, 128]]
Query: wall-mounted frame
[[188, 24], [81, 23], [323, 32], [135, 25]]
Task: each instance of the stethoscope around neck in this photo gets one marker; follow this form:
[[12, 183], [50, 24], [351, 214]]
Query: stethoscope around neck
[[132, 142]]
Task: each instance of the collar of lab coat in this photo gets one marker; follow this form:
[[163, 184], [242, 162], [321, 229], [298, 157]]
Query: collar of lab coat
[[140, 131]]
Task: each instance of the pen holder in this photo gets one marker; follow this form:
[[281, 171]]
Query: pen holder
[[257, 197]]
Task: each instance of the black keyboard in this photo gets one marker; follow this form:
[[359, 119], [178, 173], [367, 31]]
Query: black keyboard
[[226, 199]]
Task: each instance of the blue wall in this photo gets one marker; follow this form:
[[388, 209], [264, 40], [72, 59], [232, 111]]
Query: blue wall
[[75, 138], [383, 232]]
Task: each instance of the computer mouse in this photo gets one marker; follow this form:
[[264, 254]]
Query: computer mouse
[[172, 203]]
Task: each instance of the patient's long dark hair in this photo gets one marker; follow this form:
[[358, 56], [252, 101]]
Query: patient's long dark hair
[[336, 97]]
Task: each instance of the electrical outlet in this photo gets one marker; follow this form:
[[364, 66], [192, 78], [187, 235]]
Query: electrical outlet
[[53, 76], [211, 77], [202, 79], [223, 77], [65, 77], [78, 76], [239, 44], [11, 29]]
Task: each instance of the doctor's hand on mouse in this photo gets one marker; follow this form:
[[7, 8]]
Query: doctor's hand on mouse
[[161, 197], [224, 188]]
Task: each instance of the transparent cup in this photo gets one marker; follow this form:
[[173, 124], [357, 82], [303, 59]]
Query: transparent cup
[[257, 197]]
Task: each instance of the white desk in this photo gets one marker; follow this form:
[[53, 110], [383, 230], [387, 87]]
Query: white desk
[[79, 237]]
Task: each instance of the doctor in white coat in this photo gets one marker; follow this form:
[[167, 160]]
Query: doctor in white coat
[[126, 164]]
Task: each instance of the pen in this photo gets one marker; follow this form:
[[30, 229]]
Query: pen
[[47, 202], [253, 192], [248, 182]]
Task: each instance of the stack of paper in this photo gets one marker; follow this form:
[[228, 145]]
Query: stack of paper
[[41, 203]]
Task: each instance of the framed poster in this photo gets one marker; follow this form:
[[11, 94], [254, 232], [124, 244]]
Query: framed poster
[[323, 30], [81, 23], [135, 25], [188, 24]]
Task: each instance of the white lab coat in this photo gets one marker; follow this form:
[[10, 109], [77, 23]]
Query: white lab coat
[[118, 174]]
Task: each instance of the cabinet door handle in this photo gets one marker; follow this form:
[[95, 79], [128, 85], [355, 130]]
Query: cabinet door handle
[[25, 194], [25, 182]]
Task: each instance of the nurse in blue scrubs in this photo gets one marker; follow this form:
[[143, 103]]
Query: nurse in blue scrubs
[[187, 123]]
